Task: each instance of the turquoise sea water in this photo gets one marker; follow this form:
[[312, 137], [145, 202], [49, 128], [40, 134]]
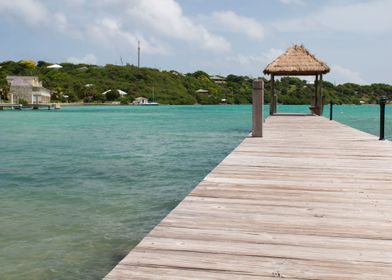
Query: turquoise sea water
[[365, 118], [80, 187]]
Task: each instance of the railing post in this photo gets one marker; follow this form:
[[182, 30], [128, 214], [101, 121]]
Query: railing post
[[330, 110], [257, 108], [383, 100]]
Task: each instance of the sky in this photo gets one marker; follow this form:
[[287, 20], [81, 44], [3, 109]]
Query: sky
[[217, 36]]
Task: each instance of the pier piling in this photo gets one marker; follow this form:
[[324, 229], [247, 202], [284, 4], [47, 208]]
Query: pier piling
[[257, 108]]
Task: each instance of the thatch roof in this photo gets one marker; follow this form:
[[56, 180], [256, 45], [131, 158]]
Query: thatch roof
[[296, 61]]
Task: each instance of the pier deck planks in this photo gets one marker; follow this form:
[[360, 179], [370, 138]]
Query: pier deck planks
[[312, 199]]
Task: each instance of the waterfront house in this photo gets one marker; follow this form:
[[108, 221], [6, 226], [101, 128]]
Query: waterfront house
[[54, 66], [218, 79], [28, 88], [203, 91], [120, 92], [140, 101]]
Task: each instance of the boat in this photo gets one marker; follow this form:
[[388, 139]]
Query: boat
[[143, 101], [152, 104]]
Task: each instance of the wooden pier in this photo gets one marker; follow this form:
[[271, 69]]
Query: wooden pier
[[10, 106], [31, 106], [312, 199], [40, 105]]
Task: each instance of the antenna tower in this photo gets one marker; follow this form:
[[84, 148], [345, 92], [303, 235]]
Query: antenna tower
[[138, 53]]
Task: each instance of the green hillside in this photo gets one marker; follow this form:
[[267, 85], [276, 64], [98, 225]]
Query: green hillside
[[81, 82]]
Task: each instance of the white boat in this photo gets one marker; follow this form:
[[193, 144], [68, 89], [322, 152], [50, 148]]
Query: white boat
[[151, 104], [142, 101]]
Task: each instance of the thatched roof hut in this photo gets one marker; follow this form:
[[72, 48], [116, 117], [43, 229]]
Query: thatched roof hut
[[297, 60]]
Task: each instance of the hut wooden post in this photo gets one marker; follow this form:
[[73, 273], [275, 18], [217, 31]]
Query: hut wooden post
[[321, 98], [257, 108], [272, 102], [275, 103], [316, 91], [315, 98]]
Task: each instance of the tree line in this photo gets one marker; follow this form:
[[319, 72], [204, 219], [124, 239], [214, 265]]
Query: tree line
[[87, 83]]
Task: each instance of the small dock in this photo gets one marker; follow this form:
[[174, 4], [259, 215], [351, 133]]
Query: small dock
[[10, 106], [41, 105], [30, 106], [311, 199]]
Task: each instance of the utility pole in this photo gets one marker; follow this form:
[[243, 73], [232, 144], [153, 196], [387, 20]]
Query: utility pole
[[138, 54]]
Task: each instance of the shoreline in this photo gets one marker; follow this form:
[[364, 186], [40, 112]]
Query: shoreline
[[76, 104], [108, 104]]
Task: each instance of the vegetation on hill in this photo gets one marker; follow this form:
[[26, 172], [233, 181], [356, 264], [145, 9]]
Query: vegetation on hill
[[82, 82]]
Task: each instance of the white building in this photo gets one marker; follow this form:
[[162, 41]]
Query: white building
[[120, 92], [28, 88], [54, 66], [218, 79], [140, 101], [205, 91]]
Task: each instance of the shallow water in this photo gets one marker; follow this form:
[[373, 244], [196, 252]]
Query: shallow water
[[80, 187], [364, 117]]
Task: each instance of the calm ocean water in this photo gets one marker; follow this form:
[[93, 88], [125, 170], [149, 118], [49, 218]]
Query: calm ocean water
[[80, 187]]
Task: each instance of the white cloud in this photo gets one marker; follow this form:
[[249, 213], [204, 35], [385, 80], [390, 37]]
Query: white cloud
[[294, 2], [246, 59], [235, 23], [87, 59], [345, 75], [166, 17], [61, 21], [32, 11], [272, 54], [76, 3], [119, 24], [262, 59], [369, 17], [110, 32]]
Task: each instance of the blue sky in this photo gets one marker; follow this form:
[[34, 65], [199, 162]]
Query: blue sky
[[218, 36]]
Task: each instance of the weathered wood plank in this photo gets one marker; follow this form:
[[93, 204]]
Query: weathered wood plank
[[312, 199], [256, 266]]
